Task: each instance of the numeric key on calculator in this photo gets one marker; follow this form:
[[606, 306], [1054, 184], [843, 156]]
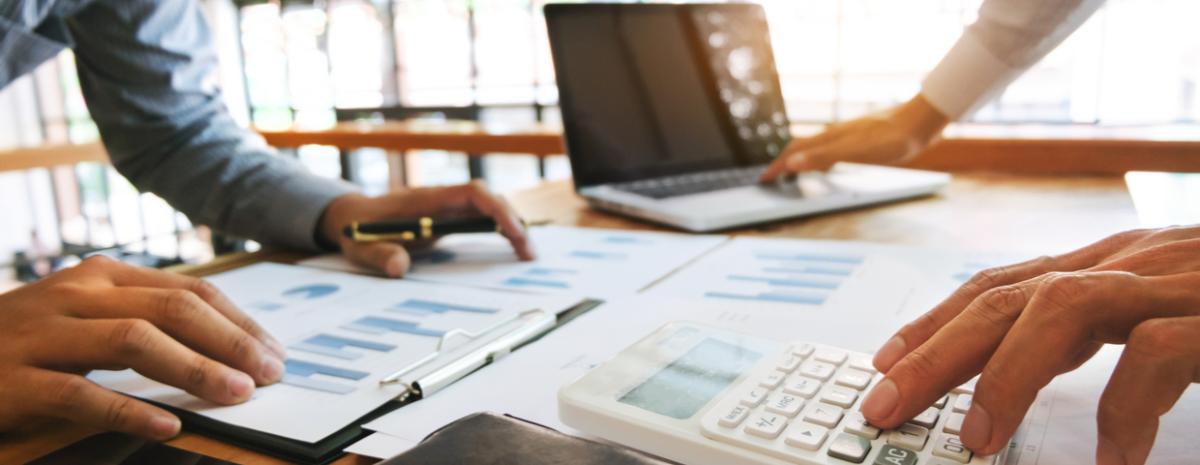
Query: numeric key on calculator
[[856, 424], [951, 447], [928, 418], [824, 415], [908, 436], [840, 397]]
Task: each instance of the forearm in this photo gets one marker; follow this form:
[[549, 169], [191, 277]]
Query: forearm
[[147, 71], [1008, 37]]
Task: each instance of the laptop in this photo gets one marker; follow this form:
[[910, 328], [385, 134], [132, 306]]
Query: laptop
[[672, 111]]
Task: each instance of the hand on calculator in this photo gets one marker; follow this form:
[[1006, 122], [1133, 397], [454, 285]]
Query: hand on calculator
[[1019, 326]]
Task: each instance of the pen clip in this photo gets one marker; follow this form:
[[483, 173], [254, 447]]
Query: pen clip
[[533, 322]]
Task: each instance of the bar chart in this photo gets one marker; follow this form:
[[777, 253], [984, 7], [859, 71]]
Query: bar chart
[[338, 347], [790, 277], [299, 374], [378, 325], [423, 307]]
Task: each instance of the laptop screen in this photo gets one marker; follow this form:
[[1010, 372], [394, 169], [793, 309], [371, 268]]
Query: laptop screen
[[657, 90]]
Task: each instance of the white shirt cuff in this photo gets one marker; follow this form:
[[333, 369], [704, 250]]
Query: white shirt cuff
[[966, 78]]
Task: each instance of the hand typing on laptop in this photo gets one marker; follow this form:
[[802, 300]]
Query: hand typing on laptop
[[104, 314], [391, 257], [1021, 325], [885, 138]]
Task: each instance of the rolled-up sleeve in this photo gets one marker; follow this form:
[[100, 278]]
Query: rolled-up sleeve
[[148, 73], [1008, 38]]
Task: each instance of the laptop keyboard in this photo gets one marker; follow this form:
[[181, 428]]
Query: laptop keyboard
[[694, 183]]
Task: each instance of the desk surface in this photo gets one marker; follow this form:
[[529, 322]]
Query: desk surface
[[999, 212]]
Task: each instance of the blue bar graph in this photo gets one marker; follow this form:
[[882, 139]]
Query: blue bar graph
[[811, 257], [335, 346], [299, 374], [626, 240], [777, 297], [786, 282], [542, 271], [426, 307], [377, 325], [597, 255], [810, 270], [519, 281]]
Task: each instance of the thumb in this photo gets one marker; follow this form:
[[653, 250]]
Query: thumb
[[389, 258]]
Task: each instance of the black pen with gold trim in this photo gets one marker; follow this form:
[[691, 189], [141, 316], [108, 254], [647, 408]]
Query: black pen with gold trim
[[421, 228]]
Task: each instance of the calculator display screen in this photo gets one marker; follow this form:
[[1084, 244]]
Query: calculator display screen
[[684, 386]]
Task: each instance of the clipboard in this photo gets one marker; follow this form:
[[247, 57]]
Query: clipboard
[[449, 363]]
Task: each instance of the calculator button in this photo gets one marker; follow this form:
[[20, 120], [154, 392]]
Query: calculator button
[[766, 425], [835, 357], [818, 370], [789, 363], [849, 447], [952, 448], [854, 379], [806, 436], [954, 423], [772, 380], [803, 350], [892, 455], [941, 461], [734, 417], [908, 436], [941, 403], [754, 397], [840, 396], [824, 414], [801, 386], [784, 404], [962, 403], [862, 364], [857, 425], [928, 418]]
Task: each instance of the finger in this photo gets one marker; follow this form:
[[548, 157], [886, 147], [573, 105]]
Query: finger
[[74, 398], [794, 153], [1157, 260], [949, 358], [919, 330], [1068, 312], [1160, 360], [137, 344], [189, 319], [126, 275], [506, 219], [388, 257]]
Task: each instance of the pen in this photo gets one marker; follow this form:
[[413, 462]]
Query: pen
[[421, 228]]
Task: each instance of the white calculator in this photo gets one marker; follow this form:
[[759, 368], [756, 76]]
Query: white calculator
[[703, 396]]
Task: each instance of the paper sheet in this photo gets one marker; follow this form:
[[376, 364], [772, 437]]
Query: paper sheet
[[1060, 427], [855, 279], [344, 333], [597, 263]]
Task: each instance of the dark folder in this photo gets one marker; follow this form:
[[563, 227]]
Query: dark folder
[[491, 439]]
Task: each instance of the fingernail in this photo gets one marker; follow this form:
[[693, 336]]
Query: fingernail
[[239, 385], [164, 427], [890, 353], [977, 428], [882, 400], [272, 369], [395, 266], [1107, 453]]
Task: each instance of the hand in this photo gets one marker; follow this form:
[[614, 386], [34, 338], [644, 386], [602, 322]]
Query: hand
[[104, 314], [1019, 326], [391, 257], [889, 137]]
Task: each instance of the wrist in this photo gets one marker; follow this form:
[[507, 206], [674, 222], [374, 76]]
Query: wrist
[[921, 121]]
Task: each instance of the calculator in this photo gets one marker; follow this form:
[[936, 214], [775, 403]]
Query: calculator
[[704, 396]]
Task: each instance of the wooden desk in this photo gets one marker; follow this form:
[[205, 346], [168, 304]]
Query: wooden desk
[[1000, 212], [1042, 149]]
